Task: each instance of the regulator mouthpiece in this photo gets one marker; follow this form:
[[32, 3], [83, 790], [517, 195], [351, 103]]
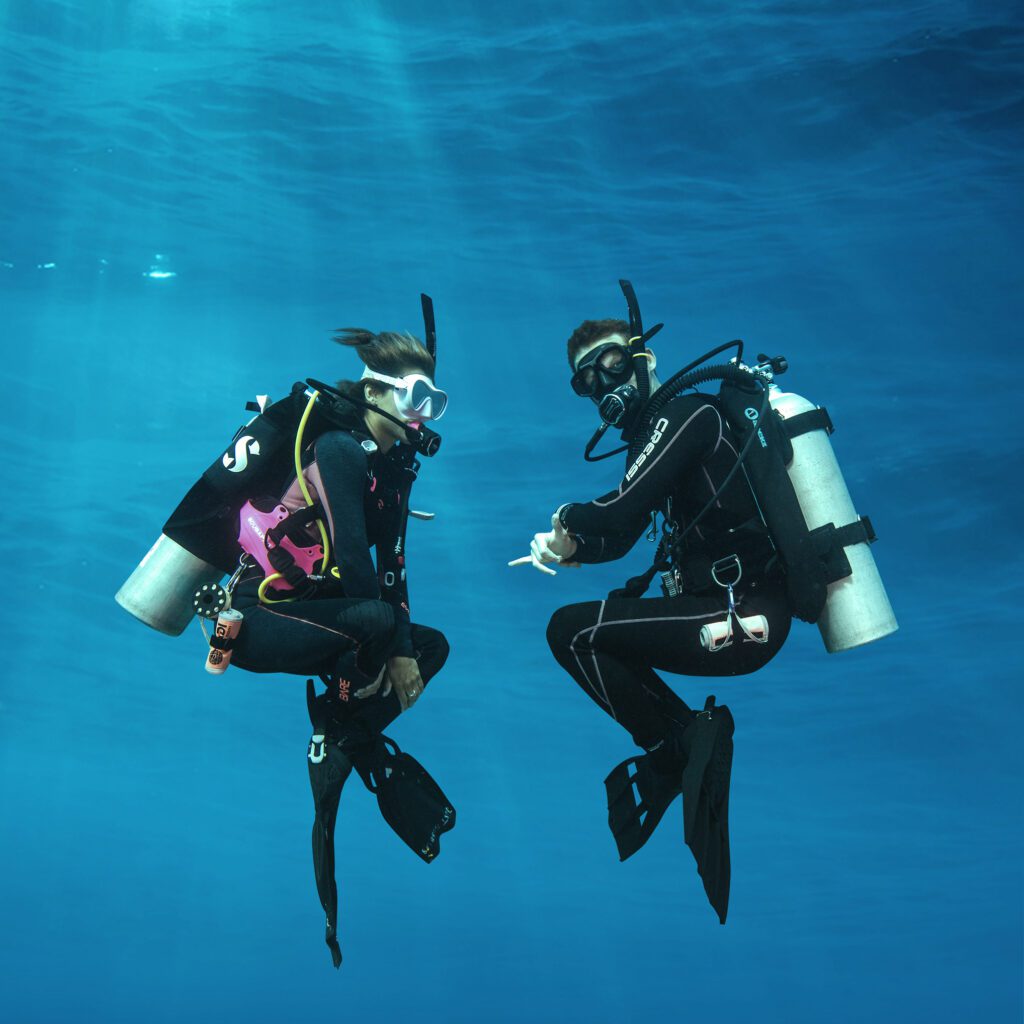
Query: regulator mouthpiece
[[613, 408], [425, 441]]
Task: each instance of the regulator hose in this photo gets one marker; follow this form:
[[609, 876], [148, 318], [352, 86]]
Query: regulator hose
[[681, 382]]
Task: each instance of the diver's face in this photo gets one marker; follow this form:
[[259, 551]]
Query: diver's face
[[382, 397], [613, 359], [385, 400]]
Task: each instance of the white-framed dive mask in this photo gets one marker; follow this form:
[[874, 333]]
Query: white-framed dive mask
[[416, 398]]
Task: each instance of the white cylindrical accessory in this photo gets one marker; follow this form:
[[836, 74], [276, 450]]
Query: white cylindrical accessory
[[159, 592], [229, 622], [714, 636], [857, 610]]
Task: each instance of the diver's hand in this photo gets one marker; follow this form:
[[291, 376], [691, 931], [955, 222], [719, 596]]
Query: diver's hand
[[554, 546], [404, 676], [369, 691]]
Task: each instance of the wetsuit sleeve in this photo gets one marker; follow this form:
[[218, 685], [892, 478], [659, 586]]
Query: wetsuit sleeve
[[391, 574], [686, 433], [339, 474], [594, 548]]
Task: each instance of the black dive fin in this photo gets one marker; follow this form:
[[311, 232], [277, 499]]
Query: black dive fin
[[638, 797], [328, 770], [706, 799], [411, 802]]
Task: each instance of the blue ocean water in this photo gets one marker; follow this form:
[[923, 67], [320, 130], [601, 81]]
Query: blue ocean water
[[194, 193]]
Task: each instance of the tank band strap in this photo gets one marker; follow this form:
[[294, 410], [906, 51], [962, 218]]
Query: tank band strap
[[829, 542], [860, 531], [805, 422]]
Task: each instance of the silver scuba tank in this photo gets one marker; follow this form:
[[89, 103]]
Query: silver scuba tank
[[161, 589], [857, 610]]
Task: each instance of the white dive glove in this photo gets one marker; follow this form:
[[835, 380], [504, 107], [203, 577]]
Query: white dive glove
[[554, 546]]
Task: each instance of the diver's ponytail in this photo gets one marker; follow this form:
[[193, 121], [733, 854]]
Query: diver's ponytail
[[390, 352]]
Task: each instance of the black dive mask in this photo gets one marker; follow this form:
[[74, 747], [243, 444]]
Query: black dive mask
[[606, 375], [601, 370], [603, 376]]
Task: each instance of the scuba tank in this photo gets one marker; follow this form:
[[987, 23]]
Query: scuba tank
[[787, 458], [857, 609], [160, 589]]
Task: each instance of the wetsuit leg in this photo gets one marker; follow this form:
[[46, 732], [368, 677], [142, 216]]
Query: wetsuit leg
[[343, 638], [375, 713], [347, 641], [612, 647]]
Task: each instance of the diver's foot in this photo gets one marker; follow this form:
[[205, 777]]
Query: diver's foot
[[332, 720], [669, 755], [640, 791]]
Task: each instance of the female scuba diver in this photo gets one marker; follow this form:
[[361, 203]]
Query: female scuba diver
[[724, 612], [349, 623], [353, 627], [292, 508]]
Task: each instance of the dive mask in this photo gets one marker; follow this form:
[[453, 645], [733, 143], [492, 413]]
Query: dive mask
[[602, 370], [416, 398], [602, 376]]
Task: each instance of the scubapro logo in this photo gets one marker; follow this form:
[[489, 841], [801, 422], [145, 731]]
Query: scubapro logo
[[751, 413], [244, 447]]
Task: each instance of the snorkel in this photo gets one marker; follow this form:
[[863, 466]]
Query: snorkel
[[621, 407]]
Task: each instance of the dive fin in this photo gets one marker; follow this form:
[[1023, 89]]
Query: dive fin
[[706, 779], [328, 770], [410, 801], [638, 797]]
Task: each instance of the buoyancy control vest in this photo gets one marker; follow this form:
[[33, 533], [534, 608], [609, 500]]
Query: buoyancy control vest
[[199, 543]]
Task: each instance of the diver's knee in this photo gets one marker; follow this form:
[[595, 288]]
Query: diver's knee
[[432, 649], [560, 629], [371, 624], [441, 648]]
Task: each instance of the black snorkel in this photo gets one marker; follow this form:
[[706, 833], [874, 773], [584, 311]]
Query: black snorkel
[[622, 406], [645, 407], [429, 328]]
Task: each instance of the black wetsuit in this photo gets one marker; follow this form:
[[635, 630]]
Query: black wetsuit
[[612, 647], [348, 628]]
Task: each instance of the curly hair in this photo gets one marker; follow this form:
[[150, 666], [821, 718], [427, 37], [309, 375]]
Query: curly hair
[[593, 330]]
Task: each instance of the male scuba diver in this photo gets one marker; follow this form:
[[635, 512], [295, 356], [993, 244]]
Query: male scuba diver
[[737, 558], [291, 509]]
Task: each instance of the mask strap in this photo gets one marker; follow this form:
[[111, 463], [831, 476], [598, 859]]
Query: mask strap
[[369, 374]]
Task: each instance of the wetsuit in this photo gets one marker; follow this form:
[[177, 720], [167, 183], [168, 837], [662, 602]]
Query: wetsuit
[[351, 625], [612, 647]]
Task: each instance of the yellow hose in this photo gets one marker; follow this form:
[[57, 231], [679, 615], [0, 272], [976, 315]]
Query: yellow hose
[[261, 592]]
